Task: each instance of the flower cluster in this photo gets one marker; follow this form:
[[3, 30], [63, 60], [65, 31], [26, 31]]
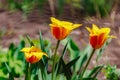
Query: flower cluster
[[60, 30]]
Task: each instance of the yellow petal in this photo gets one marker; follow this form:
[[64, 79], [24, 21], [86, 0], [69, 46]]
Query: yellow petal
[[76, 25], [105, 30], [89, 29], [28, 55], [39, 55], [54, 20], [25, 50], [34, 49], [94, 27], [65, 23]]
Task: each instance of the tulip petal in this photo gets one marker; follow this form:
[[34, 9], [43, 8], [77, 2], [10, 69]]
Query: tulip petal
[[25, 50]]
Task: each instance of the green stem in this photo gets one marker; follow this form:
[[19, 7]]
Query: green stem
[[81, 76], [58, 42], [27, 75], [42, 69]]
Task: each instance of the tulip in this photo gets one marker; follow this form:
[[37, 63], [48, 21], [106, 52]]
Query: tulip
[[98, 36], [33, 54], [61, 29]]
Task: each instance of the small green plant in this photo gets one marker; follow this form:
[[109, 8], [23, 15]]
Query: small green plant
[[111, 72], [13, 60]]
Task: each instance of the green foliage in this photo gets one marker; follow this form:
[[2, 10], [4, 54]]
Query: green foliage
[[60, 5], [13, 60], [99, 7], [111, 72], [81, 56], [15, 65], [93, 73], [26, 6], [76, 52], [10, 73]]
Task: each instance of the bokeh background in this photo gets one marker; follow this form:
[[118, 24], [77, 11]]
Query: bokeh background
[[20, 17]]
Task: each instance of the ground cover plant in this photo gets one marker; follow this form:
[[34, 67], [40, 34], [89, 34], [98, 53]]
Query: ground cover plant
[[35, 59]]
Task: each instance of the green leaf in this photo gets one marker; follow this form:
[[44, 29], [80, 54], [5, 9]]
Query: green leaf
[[65, 49], [41, 42], [58, 68], [90, 79], [11, 50], [9, 70], [84, 54], [19, 55], [67, 68], [60, 77], [95, 71], [72, 63], [11, 76], [67, 72], [29, 40], [74, 76], [43, 70], [72, 47], [73, 50], [44, 59], [100, 51], [60, 5]]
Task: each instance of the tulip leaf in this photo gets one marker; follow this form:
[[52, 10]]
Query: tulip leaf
[[62, 56], [60, 77], [11, 50], [65, 48], [29, 40], [100, 51], [67, 67], [98, 71], [72, 47], [74, 76], [67, 72], [44, 59], [71, 63], [95, 71], [18, 55], [41, 42]]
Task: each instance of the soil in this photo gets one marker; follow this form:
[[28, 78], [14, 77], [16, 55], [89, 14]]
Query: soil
[[13, 27]]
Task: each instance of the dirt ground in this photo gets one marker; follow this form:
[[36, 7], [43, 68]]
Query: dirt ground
[[13, 26]]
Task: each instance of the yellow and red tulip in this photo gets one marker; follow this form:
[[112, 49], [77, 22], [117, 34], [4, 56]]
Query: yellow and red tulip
[[98, 36], [61, 29], [33, 54]]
